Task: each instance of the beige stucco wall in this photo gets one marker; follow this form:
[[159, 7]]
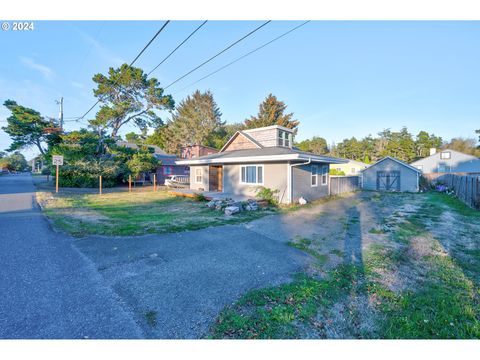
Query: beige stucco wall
[[274, 177], [408, 177]]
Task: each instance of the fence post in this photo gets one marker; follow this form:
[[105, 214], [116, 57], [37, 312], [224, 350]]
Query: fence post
[[154, 182], [100, 185]]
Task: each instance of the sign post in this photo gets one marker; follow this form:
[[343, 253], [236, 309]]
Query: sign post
[[57, 160], [100, 184]]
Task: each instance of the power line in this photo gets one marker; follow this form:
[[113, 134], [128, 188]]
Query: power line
[[218, 54], [244, 56], [178, 47], [134, 60]]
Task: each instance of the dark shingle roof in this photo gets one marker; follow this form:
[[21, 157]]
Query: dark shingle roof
[[266, 151]]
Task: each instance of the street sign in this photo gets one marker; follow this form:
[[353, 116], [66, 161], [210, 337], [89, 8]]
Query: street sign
[[57, 160]]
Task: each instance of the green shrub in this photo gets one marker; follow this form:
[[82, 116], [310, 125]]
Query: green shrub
[[267, 194], [86, 173], [199, 197]]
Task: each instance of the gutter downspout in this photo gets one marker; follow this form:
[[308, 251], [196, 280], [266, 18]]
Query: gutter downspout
[[290, 175]]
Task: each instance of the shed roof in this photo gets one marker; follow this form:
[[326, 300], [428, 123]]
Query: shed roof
[[396, 160]]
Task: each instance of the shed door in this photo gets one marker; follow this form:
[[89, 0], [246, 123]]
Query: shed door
[[388, 180]]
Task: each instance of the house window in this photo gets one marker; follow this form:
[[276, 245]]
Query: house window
[[314, 175], [283, 138], [353, 170], [167, 170], [443, 168], [199, 176], [324, 174], [251, 174], [445, 155], [339, 169]]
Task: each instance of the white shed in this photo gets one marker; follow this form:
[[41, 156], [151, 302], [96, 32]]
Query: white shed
[[390, 174]]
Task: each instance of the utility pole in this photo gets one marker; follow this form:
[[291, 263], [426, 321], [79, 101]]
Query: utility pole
[[60, 116]]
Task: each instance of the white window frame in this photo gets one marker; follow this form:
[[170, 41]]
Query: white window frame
[[257, 166], [353, 170], [314, 175], [198, 175], [445, 153], [324, 175]]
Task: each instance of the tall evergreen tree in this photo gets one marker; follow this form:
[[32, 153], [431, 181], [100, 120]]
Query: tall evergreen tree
[[126, 96], [197, 120], [316, 145], [26, 127], [272, 112]]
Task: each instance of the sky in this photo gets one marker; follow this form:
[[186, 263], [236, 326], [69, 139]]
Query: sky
[[339, 78]]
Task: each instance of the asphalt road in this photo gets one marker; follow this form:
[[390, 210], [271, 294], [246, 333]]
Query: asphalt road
[[155, 286], [48, 289]]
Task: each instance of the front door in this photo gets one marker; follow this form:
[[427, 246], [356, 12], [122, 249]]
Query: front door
[[215, 178], [388, 180]]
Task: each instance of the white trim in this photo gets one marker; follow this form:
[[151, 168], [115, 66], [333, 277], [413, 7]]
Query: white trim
[[201, 175], [446, 152], [289, 200], [314, 175], [326, 173], [396, 160], [234, 136], [256, 175], [268, 128], [248, 159]]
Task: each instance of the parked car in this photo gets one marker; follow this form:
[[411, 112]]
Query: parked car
[[176, 181]]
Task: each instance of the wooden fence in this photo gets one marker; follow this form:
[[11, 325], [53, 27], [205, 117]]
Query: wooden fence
[[465, 187], [343, 184]]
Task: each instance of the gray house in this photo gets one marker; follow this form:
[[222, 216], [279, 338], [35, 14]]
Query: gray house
[[448, 161], [262, 157], [390, 174]]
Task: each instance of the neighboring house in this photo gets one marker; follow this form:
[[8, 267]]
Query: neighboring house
[[194, 151], [352, 167], [262, 157], [448, 161], [155, 148], [167, 166], [390, 174]]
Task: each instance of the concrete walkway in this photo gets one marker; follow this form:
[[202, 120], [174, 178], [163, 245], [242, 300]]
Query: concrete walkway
[[48, 288]]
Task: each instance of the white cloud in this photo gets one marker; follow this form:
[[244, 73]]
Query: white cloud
[[44, 70]]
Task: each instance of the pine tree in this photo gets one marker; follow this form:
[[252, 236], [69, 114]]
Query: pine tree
[[272, 112]]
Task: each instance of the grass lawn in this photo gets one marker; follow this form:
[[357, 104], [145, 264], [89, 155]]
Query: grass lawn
[[136, 213], [419, 278]]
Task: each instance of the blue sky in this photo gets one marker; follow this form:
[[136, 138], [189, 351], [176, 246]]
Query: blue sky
[[339, 78]]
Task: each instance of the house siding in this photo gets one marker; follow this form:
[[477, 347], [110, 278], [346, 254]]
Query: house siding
[[274, 177], [240, 143], [203, 186], [458, 162], [408, 177], [301, 182], [266, 137]]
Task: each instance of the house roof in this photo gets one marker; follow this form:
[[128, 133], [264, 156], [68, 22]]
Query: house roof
[[135, 146], [166, 159], [439, 152], [270, 127], [396, 160], [245, 135], [264, 154], [357, 162]]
